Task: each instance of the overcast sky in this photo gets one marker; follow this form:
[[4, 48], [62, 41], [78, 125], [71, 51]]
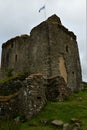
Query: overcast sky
[[20, 16]]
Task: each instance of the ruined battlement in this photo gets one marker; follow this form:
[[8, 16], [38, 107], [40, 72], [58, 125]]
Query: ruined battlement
[[14, 39], [56, 21]]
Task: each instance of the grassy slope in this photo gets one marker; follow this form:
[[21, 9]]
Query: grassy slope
[[74, 107]]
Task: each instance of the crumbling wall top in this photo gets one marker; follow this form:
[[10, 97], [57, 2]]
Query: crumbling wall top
[[24, 36], [55, 20]]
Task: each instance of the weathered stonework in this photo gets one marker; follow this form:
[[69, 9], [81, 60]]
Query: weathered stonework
[[51, 58], [29, 96], [9, 106], [32, 97], [29, 99], [15, 54], [50, 49], [57, 89], [9, 98]]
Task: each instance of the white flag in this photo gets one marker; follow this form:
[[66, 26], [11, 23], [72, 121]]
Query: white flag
[[41, 8]]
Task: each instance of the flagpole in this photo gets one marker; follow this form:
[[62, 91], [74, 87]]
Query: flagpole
[[45, 9], [45, 12]]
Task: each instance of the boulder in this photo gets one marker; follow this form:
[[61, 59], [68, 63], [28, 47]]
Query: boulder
[[58, 123], [65, 126]]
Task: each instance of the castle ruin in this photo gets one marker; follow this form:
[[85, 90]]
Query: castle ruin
[[51, 49]]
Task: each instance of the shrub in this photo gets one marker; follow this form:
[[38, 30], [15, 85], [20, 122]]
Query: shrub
[[9, 72]]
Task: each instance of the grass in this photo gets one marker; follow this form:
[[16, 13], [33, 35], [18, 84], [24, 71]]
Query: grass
[[20, 76], [74, 107], [9, 125]]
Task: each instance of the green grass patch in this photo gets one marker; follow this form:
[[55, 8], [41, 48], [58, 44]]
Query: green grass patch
[[20, 76], [74, 107], [85, 85], [9, 125]]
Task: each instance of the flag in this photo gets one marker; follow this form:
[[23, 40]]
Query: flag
[[41, 8]]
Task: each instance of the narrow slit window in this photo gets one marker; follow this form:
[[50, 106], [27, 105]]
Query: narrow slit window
[[39, 98], [67, 48], [73, 73], [12, 45], [16, 58]]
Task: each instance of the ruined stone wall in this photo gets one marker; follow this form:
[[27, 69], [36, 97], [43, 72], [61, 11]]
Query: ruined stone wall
[[9, 106], [27, 97], [9, 98], [56, 89], [39, 55], [14, 54], [64, 55], [32, 97], [51, 50]]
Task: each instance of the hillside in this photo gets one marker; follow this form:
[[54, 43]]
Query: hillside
[[74, 107]]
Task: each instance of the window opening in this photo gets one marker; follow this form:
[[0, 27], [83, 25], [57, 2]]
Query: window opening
[[73, 73], [67, 48], [16, 57], [39, 98], [12, 45]]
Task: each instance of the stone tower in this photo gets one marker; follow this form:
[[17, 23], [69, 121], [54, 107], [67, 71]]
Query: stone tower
[[51, 49]]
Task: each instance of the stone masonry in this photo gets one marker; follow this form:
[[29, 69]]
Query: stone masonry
[[32, 98], [28, 99], [30, 95], [56, 89], [50, 56], [50, 49]]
